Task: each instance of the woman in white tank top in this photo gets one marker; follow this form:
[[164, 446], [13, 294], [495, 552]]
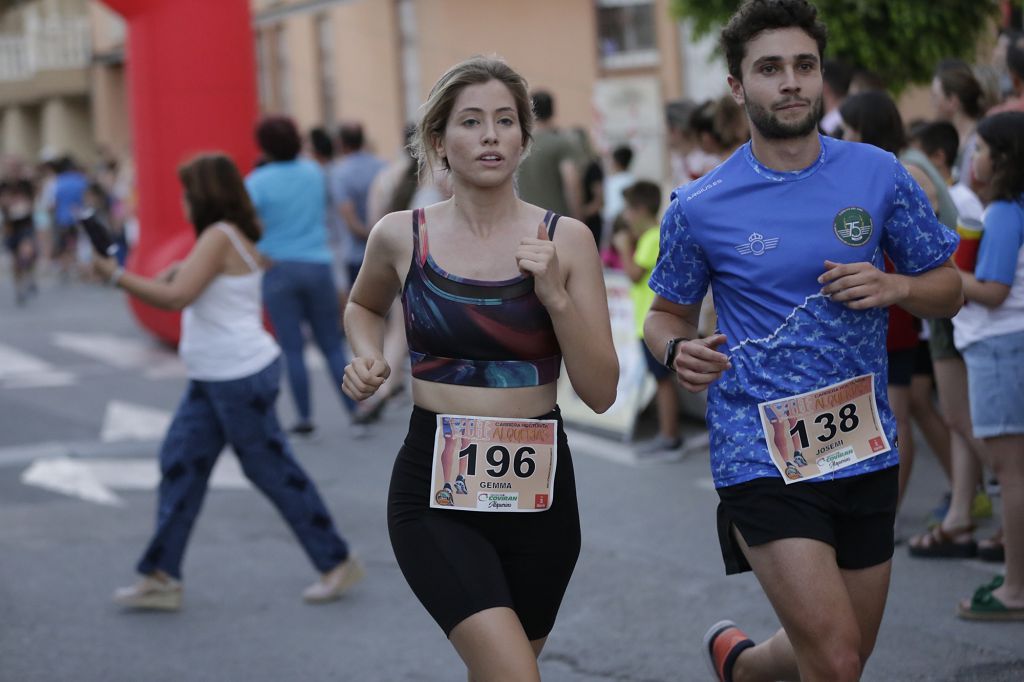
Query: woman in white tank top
[[234, 371]]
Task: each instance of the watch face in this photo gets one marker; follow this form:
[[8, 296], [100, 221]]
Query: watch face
[[670, 351]]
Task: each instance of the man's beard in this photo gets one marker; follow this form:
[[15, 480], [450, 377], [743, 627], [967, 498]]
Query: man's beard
[[769, 125]]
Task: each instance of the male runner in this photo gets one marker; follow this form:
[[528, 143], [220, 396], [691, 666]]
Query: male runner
[[790, 231]]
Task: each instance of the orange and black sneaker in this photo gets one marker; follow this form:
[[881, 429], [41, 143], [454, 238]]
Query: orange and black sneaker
[[723, 644]]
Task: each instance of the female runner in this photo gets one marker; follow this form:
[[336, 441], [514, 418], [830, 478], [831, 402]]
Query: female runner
[[495, 298]]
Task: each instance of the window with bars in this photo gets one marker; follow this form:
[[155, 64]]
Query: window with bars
[[325, 69], [263, 68], [627, 33], [282, 84], [272, 65]]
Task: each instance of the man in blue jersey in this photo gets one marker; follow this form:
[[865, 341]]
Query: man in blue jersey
[[790, 232]]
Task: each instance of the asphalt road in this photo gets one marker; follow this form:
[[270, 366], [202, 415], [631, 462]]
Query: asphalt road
[[78, 379]]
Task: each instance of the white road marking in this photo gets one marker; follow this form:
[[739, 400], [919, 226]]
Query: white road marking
[[123, 353], [623, 453], [95, 480], [313, 357], [602, 448], [128, 421], [21, 370], [69, 477]]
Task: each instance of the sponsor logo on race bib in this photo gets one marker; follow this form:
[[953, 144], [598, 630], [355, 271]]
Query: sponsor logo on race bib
[[497, 501]]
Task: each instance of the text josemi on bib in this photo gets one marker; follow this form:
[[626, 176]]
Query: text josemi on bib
[[493, 464], [819, 432]]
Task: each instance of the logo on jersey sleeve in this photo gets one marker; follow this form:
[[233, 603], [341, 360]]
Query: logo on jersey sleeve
[[853, 226], [757, 244]]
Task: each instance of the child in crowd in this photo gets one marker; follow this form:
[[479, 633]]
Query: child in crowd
[[638, 250]]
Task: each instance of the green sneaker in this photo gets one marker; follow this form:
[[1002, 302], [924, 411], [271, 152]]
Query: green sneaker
[[981, 506]]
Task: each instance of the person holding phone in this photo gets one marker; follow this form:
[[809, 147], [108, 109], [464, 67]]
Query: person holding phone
[[234, 371], [19, 235]]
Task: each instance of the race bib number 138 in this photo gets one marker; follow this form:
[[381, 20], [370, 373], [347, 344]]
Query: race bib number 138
[[823, 431], [493, 464]]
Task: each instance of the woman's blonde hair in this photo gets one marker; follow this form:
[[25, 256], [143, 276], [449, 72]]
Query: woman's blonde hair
[[441, 100]]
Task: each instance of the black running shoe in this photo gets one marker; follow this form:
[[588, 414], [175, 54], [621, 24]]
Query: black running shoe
[[303, 429]]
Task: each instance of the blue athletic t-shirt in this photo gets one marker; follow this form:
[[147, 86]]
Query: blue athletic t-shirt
[[69, 197], [1003, 238], [1000, 259], [291, 200], [761, 237]]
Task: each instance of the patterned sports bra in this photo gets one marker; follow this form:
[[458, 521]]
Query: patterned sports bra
[[468, 332]]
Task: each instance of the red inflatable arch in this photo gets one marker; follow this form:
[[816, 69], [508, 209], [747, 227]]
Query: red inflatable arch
[[192, 84]]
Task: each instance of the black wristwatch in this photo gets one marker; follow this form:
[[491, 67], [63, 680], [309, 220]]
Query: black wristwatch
[[670, 351]]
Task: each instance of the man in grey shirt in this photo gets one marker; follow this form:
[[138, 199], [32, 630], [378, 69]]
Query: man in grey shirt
[[548, 176], [350, 189]]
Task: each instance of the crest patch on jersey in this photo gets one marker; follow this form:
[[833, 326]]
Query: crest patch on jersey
[[757, 244], [853, 226]]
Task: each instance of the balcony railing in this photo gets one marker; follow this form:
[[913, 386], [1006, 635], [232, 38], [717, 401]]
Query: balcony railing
[[14, 59], [52, 44]]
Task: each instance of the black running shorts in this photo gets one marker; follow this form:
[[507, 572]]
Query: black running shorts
[[923, 360], [854, 515], [901, 366], [462, 562]]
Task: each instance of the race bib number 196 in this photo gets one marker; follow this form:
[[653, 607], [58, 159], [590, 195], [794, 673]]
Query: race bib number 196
[[493, 464], [823, 431]]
